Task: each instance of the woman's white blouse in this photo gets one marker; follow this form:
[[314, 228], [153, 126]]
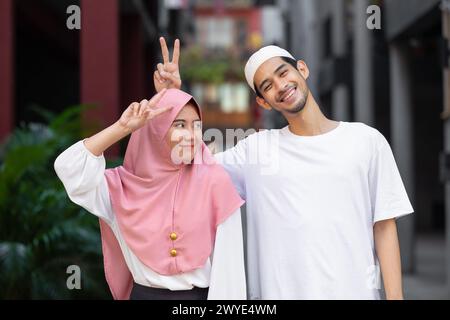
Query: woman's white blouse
[[82, 174]]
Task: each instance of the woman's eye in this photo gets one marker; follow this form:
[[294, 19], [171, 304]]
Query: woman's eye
[[267, 88], [284, 73], [198, 125], [179, 125]]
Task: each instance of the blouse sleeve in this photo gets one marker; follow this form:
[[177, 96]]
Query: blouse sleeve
[[82, 175], [228, 281]]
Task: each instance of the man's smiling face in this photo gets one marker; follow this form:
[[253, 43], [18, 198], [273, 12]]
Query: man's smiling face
[[282, 86]]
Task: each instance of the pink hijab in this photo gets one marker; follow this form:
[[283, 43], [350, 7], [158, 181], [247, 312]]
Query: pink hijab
[[153, 198]]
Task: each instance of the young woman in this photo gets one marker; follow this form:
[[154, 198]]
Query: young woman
[[169, 216]]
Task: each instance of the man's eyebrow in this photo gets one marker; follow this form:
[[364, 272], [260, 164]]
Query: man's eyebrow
[[275, 72], [263, 83], [279, 68]]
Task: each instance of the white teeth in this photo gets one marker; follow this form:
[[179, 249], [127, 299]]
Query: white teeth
[[289, 95]]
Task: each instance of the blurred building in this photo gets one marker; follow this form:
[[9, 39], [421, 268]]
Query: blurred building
[[395, 79], [109, 62], [222, 33]]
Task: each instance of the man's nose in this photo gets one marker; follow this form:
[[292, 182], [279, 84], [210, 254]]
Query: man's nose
[[281, 84]]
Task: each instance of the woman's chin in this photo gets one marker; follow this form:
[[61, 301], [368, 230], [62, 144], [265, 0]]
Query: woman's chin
[[187, 158]]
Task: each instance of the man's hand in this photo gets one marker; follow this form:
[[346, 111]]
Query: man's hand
[[167, 75]]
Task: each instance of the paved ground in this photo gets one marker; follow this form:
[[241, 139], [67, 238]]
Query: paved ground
[[428, 282]]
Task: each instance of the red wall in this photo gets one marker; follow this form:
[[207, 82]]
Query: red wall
[[100, 62], [6, 68]]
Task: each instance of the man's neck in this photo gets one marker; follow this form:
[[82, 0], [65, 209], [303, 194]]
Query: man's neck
[[310, 121]]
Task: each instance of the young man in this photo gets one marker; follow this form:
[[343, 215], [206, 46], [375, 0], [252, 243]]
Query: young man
[[321, 219]]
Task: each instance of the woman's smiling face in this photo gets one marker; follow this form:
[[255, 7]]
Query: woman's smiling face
[[185, 135]]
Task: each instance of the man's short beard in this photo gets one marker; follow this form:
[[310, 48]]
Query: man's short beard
[[301, 105]]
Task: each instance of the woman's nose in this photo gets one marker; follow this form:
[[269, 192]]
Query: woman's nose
[[189, 135]]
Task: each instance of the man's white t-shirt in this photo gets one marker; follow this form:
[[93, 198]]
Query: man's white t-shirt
[[312, 202]]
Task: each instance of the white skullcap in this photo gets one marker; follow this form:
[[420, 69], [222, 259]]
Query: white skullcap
[[261, 56]]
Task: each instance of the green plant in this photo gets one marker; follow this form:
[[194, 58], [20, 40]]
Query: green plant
[[41, 231], [215, 67]]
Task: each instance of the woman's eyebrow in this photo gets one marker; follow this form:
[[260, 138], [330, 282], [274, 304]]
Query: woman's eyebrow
[[182, 120]]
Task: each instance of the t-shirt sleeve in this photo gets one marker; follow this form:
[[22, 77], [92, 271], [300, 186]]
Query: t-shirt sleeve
[[227, 280], [233, 161], [388, 195]]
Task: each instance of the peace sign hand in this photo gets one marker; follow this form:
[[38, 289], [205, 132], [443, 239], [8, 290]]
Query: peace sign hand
[[167, 75], [137, 114]]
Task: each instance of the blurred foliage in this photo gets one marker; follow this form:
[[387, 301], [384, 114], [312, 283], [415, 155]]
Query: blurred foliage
[[212, 66], [41, 231]]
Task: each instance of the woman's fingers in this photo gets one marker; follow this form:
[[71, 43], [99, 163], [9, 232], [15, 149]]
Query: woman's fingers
[[158, 77], [161, 72], [135, 109], [130, 111], [160, 68], [176, 52], [170, 77], [142, 107], [154, 101], [164, 50], [143, 103]]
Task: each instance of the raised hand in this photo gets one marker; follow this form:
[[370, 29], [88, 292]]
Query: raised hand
[[167, 75], [137, 114]]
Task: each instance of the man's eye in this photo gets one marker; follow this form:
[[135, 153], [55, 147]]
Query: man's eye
[[268, 88], [284, 73]]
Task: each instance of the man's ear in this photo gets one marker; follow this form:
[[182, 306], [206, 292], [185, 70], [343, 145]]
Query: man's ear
[[263, 103], [303, 69]]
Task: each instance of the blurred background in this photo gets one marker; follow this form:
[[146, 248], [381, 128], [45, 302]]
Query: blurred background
[[58, 85]]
